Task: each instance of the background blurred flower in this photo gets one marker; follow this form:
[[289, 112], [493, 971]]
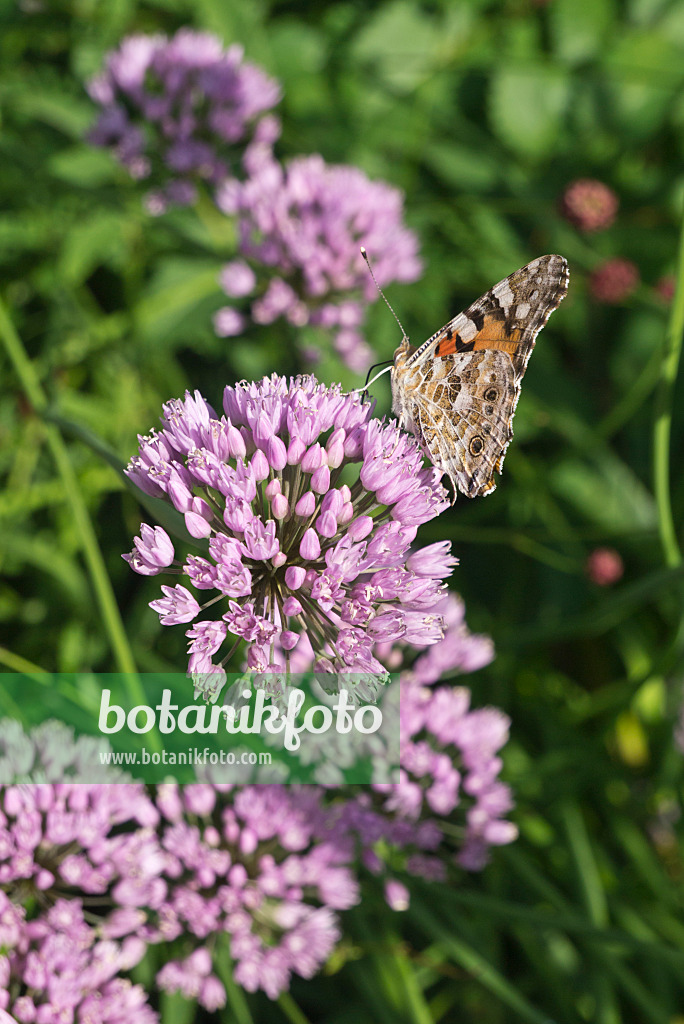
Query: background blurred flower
[[665, 288], [269, 867], [58, 967], [307, 222], [460, 651], [589, 205], [64, 843], [614, 281], [51, 754], [185, 110], [180, 110], [604, 566]]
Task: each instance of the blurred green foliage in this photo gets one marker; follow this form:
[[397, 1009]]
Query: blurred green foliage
[[483, 111]]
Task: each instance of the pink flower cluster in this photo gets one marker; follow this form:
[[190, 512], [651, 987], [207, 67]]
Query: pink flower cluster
[[57, 839], [292, 548], [307, 222], [458, 652], [590, 205], [57, 967], [258, 873], [181, 110], [604, 566], [449, 756], [613, 281]]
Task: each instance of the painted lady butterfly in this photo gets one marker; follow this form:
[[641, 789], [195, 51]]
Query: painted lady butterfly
[[458, 391]]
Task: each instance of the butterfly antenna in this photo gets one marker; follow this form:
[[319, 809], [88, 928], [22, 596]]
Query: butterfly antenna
[[390, 362], [387, 302]]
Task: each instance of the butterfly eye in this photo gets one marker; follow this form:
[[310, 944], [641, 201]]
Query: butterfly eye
[[476, 445], [491, 395]]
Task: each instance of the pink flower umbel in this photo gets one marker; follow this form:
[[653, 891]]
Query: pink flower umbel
[[308, 507], [259, 873], [181, 111], [61, 835], [305, 223], [59, 968], [449, 754]]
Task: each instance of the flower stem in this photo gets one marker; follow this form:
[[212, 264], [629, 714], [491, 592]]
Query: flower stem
[[238, 1005], [291, 1009], [84, 528], [15, 663], [663, 418]]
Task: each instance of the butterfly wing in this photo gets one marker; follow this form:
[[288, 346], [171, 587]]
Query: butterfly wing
[[458, 391], [462, 414]]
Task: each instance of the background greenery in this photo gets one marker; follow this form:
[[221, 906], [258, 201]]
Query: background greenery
[[482, 112]]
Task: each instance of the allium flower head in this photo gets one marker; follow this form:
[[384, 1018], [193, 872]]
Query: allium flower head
[[58, 836], [179, 107], [307, 222], [460, 651], [614, 281], [448, 759], [258, 873], [57, 968], [309, 506], [589, 205]]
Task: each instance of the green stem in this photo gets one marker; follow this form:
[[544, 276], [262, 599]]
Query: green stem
[[663, 418], [15, 663], [238, 1007], [291, 1009], [644, 383], [84, 528]]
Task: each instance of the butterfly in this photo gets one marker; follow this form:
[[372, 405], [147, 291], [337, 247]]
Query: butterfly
[[458, 391]]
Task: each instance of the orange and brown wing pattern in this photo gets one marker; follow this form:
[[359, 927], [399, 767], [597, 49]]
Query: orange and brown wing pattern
[[508, 317], [458, 391]]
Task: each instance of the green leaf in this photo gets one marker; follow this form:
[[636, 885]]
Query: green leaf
[[401, 43], [604, 615], [84, 166], [176, 1009], [39, 552], [305, 85], [96, 241], [608, 494], [579, 27], [470, 960], [672, 25], [70, 116], [527, 106], [291, 36], [644, 69], [241, 23], [644, 12], [235, 995], [177, 289], [462, 167]]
